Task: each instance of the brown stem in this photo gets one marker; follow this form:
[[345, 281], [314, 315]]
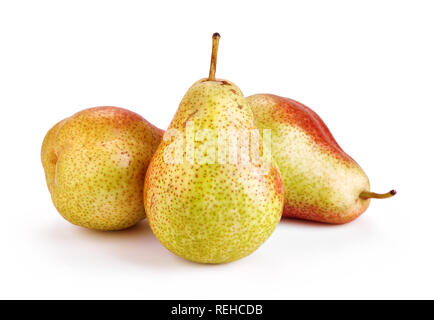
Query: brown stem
[[215, 47], [369, 195]]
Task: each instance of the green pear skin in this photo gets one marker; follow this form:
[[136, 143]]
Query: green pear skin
[[211, 212], [95, 164], [322, 182]]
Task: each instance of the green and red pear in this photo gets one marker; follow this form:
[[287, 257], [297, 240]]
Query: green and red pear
[[95, 165], [322, 182]]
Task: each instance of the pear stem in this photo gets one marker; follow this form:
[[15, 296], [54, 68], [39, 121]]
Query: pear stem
[[368, 195], [215, 47]]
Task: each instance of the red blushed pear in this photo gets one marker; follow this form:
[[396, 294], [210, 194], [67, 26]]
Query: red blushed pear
[[95, 164], [322, 182]]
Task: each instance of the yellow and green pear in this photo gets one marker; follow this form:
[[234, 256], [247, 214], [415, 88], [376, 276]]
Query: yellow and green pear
[[322, 182], [95, 164], [205, 204]]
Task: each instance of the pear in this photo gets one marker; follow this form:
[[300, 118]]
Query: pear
[[322, 182], [207, 210], [95, 164]]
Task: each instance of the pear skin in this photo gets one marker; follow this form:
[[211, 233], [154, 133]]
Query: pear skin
[[322, 182], [200, 209], [95, 164]]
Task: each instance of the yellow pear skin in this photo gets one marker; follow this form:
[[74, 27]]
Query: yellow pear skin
[[95, 164], [211, 212], [322, 182]]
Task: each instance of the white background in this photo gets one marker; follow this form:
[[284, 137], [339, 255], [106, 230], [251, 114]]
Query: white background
[[366, 67]]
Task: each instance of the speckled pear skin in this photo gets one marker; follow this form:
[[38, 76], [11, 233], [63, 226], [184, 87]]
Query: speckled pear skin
[[95, 164], [212, 213], [322, 183]]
